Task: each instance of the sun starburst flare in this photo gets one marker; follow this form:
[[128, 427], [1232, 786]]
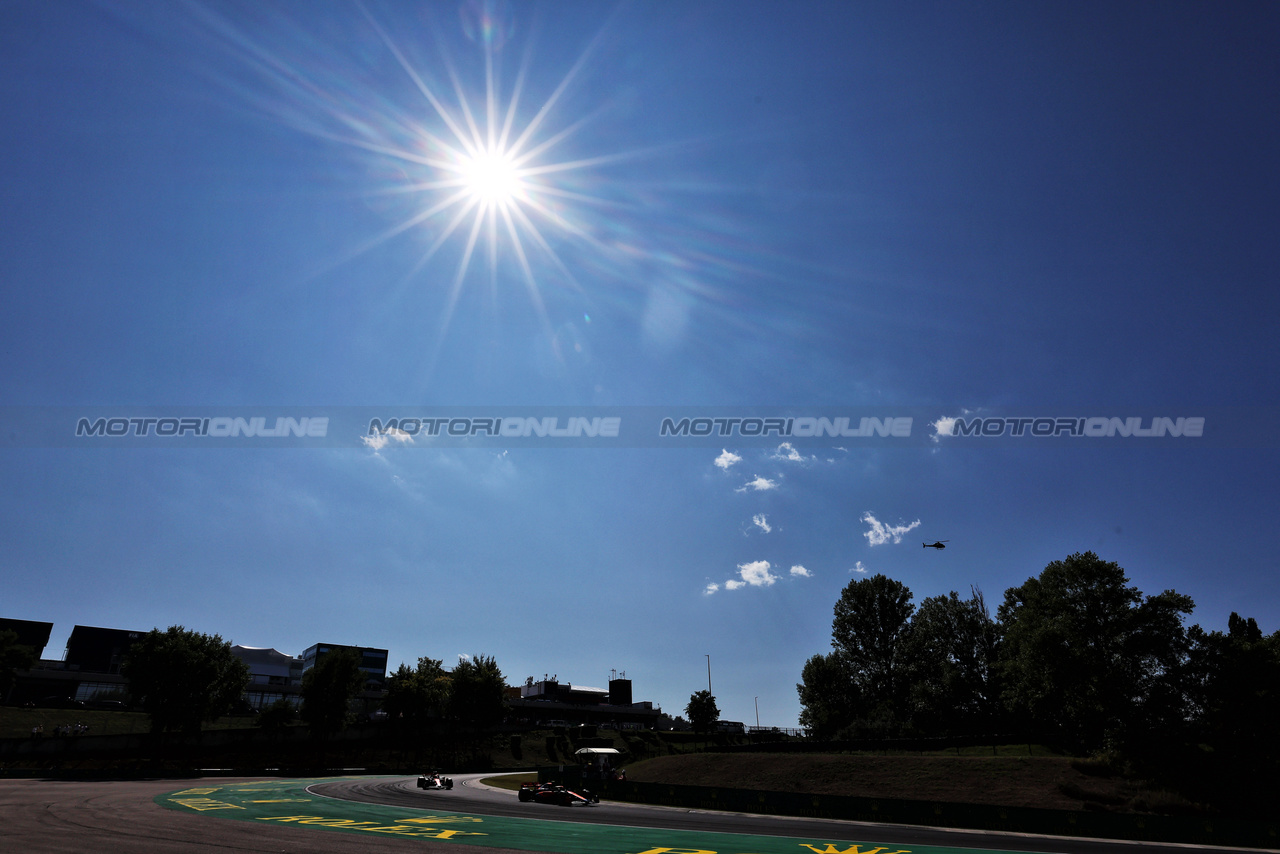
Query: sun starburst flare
[[479, 170]]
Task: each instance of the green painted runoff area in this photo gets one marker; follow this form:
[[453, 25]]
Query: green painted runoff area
[[287, 802]]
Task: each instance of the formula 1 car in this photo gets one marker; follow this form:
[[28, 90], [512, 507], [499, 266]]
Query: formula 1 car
[[554, 793], [435, 780]]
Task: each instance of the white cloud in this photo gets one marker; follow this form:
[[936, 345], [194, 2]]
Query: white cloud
[[462, 656], [378, 441], [710, 588], [942, 427], [761, 522], [760, 484], [788, 453], [756, 573], [727, 459], [858, 567], [799, 571], [881, 533], [734, 584]]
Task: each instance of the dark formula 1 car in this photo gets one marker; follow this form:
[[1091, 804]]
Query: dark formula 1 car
[[435, 781], [553, 793]]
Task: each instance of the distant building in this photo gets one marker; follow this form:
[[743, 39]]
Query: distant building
[[372, 661], [550, 703], [88, 671], [273, 675], [98, 650], [552, 690]]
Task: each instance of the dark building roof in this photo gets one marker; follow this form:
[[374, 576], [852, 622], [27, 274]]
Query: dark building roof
[[30, 633], [98, 650]]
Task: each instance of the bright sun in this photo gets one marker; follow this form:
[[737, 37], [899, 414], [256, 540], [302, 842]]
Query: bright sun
[[491, 178]]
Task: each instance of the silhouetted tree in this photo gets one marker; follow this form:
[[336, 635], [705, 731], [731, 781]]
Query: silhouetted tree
[[702, 711], [277, 716], [828, 697], [184, 678], [476, 692], [951, 655], [1085, 658], [1234, 686], [415, 695], [872, 620]]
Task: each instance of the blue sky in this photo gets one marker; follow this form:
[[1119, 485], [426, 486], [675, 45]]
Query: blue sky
[[1064, 209]]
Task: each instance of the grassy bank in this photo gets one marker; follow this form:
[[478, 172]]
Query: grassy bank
[[17, 722], [1010, 775], [1044, 781]]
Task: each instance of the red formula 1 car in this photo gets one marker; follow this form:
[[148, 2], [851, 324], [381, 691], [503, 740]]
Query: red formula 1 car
[[554, 793]]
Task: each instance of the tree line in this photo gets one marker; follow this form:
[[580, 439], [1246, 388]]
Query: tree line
[[1075, 657], [184, 679]]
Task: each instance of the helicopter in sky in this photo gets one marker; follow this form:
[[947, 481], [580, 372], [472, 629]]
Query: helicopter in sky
[[939, 545]]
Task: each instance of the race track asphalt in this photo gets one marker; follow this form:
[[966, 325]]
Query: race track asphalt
[[55, 816], [121, 817], [489, 801]]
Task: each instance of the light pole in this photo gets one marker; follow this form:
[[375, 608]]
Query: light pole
[[708, 673], [757, 714]]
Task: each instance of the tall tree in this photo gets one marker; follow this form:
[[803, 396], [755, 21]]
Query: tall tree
[[872, 620], [415, 695], [1085, 658], [328, 689], [702, 711], [1234, 681], [828, 697], [951, 654], [184, 678], [476, 692]]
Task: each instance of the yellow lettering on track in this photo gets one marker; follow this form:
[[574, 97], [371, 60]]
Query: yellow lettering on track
[[205, 804], [831, 849], [404, 828]]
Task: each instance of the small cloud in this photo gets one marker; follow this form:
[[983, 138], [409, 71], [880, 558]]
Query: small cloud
[[858, 567], [881, 533], [727, 460], [462, 656], [942, 427], [756, 574], [710, 589], [945, 425], [788, 453], [378, 441], [733, 584], [760, 484], [761, 522], [799, 571]]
